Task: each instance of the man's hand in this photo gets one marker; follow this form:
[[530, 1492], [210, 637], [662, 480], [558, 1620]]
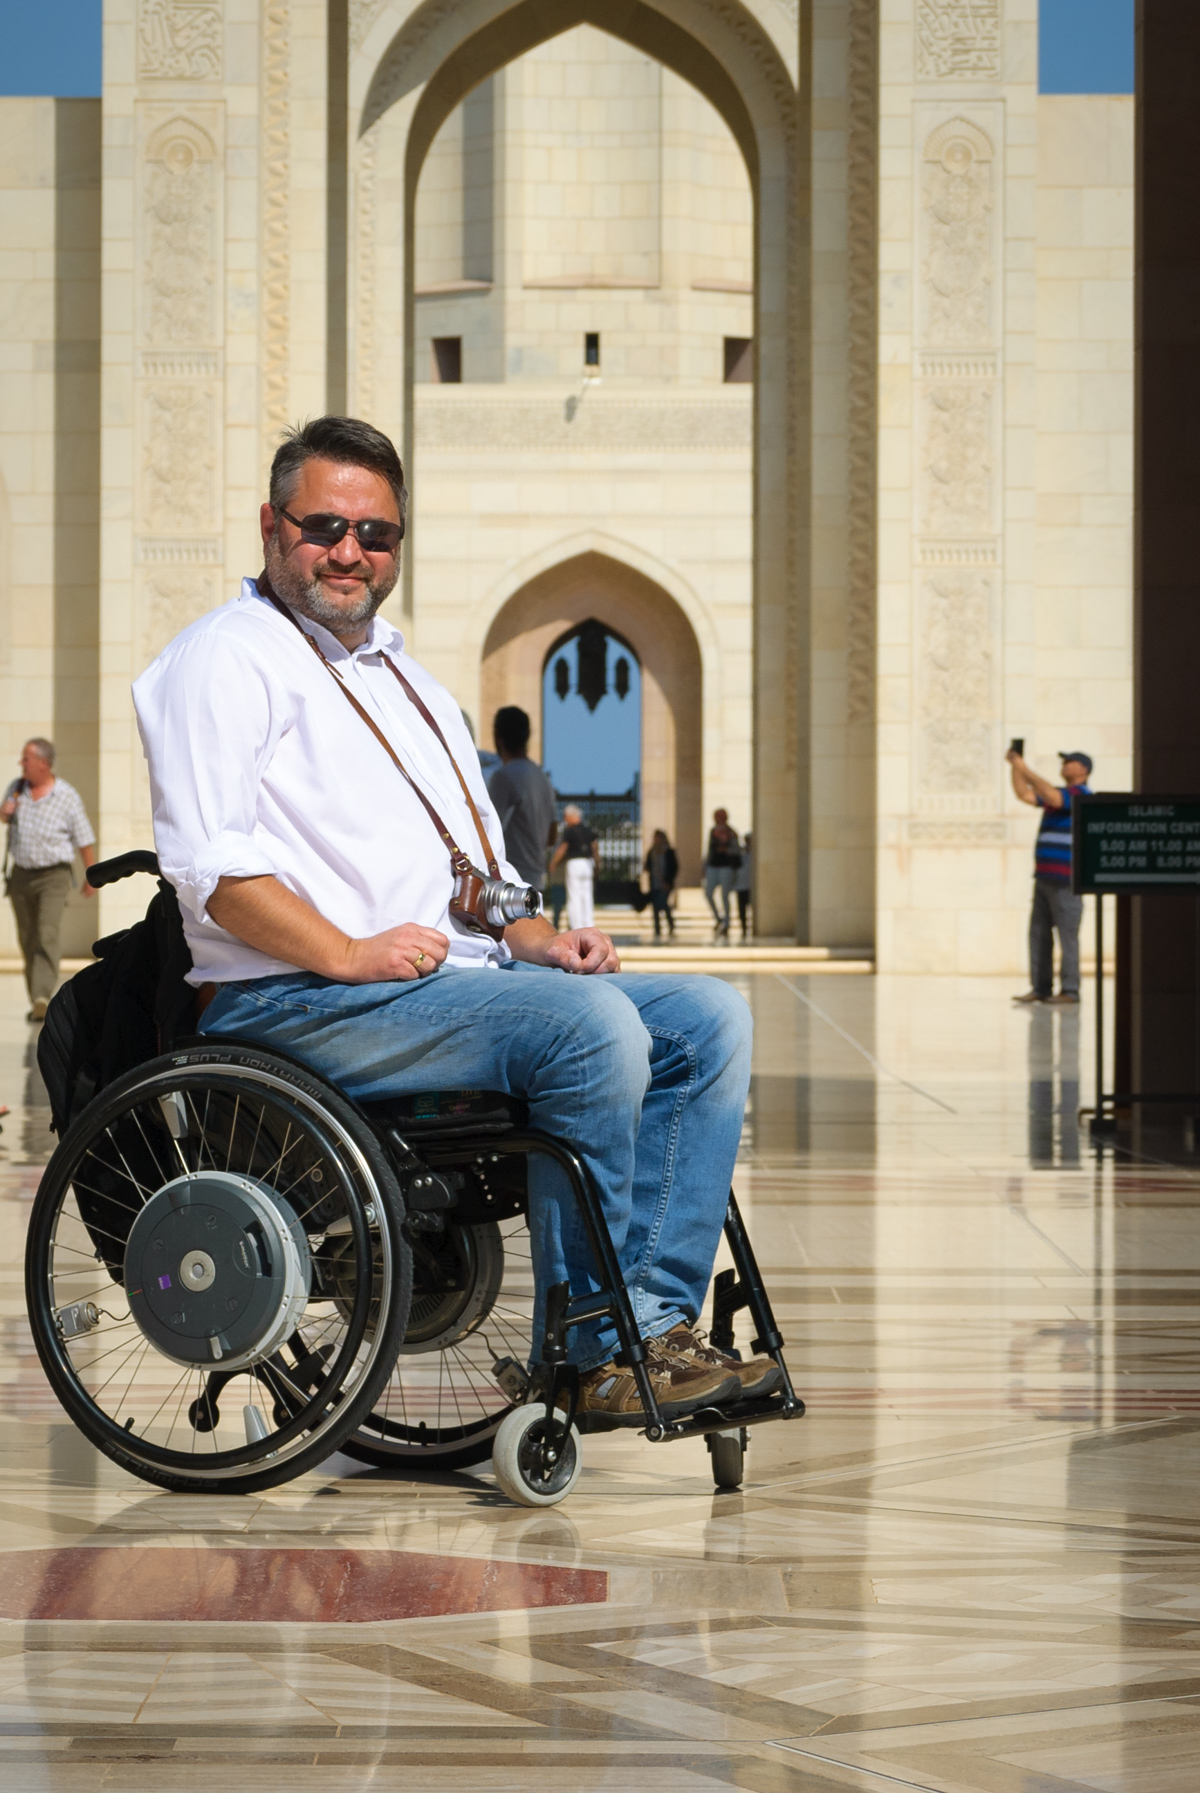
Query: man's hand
[[399, 955], [8, 810], [584, 950]]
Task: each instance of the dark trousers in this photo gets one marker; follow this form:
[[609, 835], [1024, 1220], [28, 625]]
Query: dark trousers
[[38, 899], [1054, 908], [661, 900], [743, 897]]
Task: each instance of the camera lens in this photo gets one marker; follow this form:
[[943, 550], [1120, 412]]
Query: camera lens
[[503, 903]]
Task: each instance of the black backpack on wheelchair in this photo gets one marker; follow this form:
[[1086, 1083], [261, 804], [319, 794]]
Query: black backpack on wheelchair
[[233, 1270]]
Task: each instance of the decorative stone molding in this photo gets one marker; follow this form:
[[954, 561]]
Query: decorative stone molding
[[179, 40], [921, 831], [173, 550], [179, 364], [363, 14], [179, 222], [541, 424], [958, 40], [956, 702], [276, 234], [862, 278]]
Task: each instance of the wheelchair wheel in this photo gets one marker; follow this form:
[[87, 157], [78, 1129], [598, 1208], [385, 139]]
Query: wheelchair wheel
[[518, 1464], [216, 1275], [728, 1452], [472, 1308]]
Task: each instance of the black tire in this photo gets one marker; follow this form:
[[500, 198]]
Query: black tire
[[442, 1406], [301, 1148], [728, 1458]]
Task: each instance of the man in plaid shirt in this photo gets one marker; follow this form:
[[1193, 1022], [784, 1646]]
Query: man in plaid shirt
[[46, 822]]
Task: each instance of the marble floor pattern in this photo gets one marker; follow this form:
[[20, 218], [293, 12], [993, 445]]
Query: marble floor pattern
[[974, 1567]]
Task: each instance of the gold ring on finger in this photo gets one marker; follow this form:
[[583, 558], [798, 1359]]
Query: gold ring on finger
[[420, 959]]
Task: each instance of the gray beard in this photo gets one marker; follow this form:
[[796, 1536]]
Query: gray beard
[[306, 596]]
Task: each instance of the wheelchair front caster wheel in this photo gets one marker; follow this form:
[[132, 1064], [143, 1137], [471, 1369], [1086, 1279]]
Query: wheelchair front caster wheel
[[728, 1451], [519, 1459]]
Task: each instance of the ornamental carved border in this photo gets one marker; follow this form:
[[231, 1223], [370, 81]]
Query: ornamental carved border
[[276, 235], [862, 262]]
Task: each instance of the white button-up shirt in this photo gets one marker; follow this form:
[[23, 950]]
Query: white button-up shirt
[[258, 765]]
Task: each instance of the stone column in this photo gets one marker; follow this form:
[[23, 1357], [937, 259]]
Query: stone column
[[958, 174], [1162, 993]]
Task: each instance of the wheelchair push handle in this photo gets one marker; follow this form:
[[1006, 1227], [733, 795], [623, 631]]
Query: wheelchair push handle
[[111, 871]]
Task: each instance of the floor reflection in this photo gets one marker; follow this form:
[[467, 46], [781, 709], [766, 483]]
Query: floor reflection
[[972, 1567]]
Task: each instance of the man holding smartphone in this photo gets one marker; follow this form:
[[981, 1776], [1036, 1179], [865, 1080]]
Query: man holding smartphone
[[1055, 906]]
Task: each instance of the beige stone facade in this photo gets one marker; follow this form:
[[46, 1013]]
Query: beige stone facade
[[849, 583]]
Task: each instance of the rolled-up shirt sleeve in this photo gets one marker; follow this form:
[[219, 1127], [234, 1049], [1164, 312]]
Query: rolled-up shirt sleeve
[[78, 826], [209, 721]]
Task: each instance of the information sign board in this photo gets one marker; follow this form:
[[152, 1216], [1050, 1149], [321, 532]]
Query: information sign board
[[1133, 844]]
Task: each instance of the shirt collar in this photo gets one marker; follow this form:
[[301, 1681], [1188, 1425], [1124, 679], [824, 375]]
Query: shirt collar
[[381, 635]]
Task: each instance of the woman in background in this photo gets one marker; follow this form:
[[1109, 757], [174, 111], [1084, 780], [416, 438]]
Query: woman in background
[[662, 863]]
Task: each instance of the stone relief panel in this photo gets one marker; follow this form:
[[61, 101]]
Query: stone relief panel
[[957, 420], [179, 236], [956, 686], [957, 463], [179, 40], [179, 248], [178, 458], [170, 601], [958, 40], [957, 228]]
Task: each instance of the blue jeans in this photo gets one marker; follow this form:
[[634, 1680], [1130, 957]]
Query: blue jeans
[[1054, 907], [647, 1075]]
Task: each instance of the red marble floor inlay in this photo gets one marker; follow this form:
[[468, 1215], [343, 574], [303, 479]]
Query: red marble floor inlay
[[279, 1586]]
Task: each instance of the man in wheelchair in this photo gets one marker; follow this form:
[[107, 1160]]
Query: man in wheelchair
[[319, 809]]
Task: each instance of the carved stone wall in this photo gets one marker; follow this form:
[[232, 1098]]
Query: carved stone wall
[[179, 333], [957, 404], [958, 40]]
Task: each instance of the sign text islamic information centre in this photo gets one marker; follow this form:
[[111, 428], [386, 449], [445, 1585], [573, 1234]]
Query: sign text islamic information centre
[[1134, 844]]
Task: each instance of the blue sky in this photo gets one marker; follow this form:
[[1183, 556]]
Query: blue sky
[[53, 46]]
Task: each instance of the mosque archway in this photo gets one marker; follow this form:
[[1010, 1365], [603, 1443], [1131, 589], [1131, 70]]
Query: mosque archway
[[663, 665], [413, 64]]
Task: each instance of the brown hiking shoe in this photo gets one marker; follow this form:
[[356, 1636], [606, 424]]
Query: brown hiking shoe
[[757, 1376], [679, 1387]]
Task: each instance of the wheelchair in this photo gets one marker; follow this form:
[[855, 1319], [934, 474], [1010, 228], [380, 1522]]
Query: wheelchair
[[233, 1270]]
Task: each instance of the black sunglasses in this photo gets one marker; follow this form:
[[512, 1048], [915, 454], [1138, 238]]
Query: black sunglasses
[[325, 530]]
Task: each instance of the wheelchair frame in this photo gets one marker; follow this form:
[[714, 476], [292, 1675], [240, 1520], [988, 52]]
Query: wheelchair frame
[[552, 1385]]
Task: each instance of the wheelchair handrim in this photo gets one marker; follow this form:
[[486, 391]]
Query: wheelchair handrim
[[373, 1245]]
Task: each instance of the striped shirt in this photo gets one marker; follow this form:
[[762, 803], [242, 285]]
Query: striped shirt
[[1052, 854], [47, 832]]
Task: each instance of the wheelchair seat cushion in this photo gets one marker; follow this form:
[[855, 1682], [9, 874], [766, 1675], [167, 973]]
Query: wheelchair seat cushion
[[451, 1114]]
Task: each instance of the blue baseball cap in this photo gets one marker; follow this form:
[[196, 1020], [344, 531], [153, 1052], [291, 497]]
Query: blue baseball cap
[[1083, 758]]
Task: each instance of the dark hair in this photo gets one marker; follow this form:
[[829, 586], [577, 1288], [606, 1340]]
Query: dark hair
[[346, 440], [511, 729]]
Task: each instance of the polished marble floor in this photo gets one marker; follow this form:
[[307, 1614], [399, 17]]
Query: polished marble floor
[[974, 1567]]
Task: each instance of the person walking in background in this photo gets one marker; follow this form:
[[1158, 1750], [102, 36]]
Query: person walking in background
[[522, 797], [1055, 906], [46, 823], [579, 849], [744, 881], [720, 866], [662, 863], [489, 762]]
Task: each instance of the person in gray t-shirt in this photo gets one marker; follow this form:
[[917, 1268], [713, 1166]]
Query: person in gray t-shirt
[[522, 797]]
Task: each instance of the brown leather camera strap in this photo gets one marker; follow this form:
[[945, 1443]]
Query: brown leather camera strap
[[458, 858]]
